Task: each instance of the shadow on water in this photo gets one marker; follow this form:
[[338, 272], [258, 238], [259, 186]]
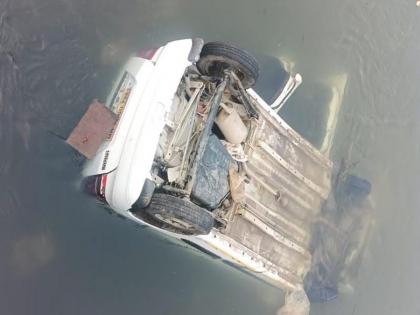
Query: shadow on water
[[62, 254]]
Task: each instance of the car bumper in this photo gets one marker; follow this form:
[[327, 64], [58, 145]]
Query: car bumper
[[128, 156]]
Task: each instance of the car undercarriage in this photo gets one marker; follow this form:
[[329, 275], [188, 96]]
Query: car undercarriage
[[229, 175]]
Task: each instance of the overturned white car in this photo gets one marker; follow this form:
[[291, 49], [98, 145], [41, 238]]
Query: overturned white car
[[197, 154]]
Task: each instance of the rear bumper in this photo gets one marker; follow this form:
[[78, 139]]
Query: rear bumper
[[128, 157]]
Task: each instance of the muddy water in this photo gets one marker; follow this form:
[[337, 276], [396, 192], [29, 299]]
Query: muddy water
[[61, 254]]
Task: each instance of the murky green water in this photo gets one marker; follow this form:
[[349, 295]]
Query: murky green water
[[61, 254]]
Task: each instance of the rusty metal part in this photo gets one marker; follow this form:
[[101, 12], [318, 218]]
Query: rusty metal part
[[288, 182], [187, 119], [183, 166], [175, 190], [95, 126], [214, 106], [242, 95]]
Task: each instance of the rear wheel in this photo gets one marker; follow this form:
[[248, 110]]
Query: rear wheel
[[178, 215], [216, 57]]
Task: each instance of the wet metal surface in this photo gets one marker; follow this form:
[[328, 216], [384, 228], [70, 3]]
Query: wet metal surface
[[61, 254], [289, 182]]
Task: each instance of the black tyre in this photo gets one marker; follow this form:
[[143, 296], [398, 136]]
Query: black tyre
[[179, 215], [217, 56]]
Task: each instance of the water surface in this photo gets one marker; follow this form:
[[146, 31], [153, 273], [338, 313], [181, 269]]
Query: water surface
[[62, 254]]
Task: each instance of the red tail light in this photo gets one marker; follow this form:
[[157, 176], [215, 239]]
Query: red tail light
[[102, 186], [147, 53], [95, 186]]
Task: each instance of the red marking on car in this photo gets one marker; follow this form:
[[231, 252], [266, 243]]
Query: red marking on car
[[147, 53], [103, 186]]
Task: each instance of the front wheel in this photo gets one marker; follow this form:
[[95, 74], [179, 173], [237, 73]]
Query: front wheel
[[178, 215], [216, 57]]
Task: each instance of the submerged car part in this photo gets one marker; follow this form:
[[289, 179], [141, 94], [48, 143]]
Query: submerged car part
[[338, 239]]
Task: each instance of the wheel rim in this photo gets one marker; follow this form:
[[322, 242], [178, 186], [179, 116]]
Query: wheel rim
[[218, 69], [215, 66], [177, 223]]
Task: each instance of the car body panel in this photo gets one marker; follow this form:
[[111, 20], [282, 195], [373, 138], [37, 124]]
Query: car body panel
[[290, 181]]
